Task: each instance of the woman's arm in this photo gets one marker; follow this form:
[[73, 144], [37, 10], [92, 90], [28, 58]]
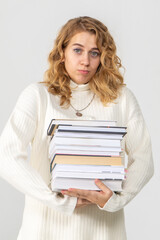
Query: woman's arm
[[14, 167], [140, 163]]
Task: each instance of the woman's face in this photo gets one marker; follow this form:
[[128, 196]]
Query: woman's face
[[82, 57]]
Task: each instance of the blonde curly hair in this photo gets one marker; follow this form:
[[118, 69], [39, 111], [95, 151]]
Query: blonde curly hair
[[107, 80]]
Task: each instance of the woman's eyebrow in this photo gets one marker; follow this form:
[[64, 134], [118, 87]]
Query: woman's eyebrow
[[80, 45], [77, 44]]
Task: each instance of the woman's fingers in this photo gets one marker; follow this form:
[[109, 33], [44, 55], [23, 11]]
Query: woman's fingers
[[82, 202], [96, 197], [102, 186], [73, 192]]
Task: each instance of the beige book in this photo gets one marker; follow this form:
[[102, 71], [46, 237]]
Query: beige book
[[86, 160]]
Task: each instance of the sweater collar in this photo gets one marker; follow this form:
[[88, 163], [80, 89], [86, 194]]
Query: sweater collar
[[79, 87]]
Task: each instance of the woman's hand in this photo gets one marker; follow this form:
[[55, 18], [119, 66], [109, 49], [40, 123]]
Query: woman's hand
[[82, 202], [97, 197]]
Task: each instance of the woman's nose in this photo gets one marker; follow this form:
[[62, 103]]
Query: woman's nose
[[85, 59]]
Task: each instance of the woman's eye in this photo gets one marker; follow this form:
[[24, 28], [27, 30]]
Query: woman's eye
[[77, 50], [95, 54]]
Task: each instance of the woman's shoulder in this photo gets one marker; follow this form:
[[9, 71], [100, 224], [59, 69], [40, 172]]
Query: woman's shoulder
[[126, 94], [32, 97], [35, 88], [128, 101], [33, 91]]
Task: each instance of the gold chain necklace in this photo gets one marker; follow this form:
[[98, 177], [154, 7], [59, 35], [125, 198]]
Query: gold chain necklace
[[78, 111]]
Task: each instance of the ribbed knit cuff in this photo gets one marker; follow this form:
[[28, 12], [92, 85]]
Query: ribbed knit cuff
[[110, 205], [66, 207]]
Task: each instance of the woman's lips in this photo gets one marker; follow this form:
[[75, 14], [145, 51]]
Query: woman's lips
[[83, 71]]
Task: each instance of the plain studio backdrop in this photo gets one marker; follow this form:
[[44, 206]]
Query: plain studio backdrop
[[27, 32]]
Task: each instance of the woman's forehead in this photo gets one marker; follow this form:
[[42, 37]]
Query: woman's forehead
[[84, 38]]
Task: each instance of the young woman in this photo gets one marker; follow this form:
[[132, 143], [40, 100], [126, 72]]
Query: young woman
[[83, 81]]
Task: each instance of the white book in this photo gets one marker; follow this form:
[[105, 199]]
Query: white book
[[92, 175], [52, 152], [79, 122], [83, 122], [87, 148], [89, 168], [88, 135], [85, 142], [58, 184], [121, 130]]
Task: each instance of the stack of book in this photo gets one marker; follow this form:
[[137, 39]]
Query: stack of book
[[82, 151]]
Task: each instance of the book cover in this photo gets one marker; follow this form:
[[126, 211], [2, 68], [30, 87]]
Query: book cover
[[59, 184], [56, 122], [85, 160], [85, 142]]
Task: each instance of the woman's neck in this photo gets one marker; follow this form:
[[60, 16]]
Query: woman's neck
[[79, 87]]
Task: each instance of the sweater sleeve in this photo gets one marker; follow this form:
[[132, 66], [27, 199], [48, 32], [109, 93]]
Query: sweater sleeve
[[14, 167], [138, 149]]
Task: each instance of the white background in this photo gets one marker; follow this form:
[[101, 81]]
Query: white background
[[27, 31]]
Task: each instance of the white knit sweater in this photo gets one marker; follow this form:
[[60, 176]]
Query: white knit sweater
[[46, 215]]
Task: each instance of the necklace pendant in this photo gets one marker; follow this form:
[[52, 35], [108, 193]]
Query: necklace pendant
[[79, 114]]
